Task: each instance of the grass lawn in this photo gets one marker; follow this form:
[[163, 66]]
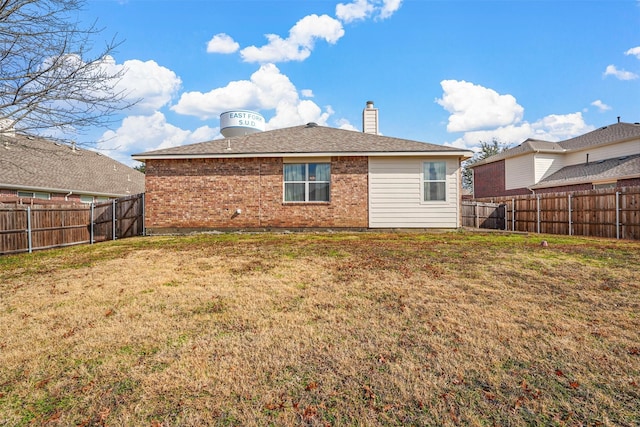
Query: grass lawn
[[322, 329]]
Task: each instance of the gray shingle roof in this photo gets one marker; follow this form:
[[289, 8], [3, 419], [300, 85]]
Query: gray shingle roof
[[603, 170], [36, 163], [528, 146], [603, 135], [617, 132], [305, 139]]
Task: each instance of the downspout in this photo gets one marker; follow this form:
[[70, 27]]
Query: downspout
[[66, 197]]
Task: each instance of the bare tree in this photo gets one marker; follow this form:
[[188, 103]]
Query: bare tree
[[51, 79]]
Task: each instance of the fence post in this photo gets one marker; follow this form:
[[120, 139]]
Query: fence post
[[29, 241], [617, 214], [513, 214], [144, 227], [506, 224], [113, 219], [91, 224], [538, 212], [570, 224], [475, 208]]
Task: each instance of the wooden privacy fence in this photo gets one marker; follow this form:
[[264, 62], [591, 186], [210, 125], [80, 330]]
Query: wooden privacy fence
[[26, 228], [483, 215], [611, 212]]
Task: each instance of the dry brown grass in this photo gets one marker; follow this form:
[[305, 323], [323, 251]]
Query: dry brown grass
[[323, 329]]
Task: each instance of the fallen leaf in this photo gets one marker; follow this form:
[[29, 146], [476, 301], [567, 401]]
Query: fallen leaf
[[559, 373], [310, 412], [574, 384], [311, 386], [42, 383]]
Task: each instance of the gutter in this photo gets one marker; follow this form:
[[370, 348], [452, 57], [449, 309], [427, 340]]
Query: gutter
[[58, 190], [464, 154]]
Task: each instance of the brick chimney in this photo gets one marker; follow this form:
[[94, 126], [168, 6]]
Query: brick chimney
[[370, 119]]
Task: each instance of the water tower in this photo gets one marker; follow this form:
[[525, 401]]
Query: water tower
[[240, 122]]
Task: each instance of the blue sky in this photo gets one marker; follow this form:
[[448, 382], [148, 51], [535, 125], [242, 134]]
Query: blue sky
[[446, 72]]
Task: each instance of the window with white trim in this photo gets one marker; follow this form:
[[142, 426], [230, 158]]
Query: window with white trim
[[434, 181], [307, 182], [86, 199], [34, 195]]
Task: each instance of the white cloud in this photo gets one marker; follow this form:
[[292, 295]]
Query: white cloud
[[557, 127], [222, 43], [354, 11], [600, 105], [144, 133], [619, 74], [474, 107], [483, 114], [299, 44], [346, 125], [363, 9], [268, 89], [554, 127], [635, 51], [307, 93], [153, 84], [389, 7]]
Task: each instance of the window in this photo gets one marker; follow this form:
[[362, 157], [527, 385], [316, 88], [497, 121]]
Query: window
[[34, 195], [435, 181], [86, 199], [604, 185], [307, 182]]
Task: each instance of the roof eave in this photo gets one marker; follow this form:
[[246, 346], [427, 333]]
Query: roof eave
[[543, 151], [60, 190], [462, 153], [585, 180]]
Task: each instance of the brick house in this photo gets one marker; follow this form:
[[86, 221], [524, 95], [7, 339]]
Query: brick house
[[306, 176], [37, 170], [605, 157]]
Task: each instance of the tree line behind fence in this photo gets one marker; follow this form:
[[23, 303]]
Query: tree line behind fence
[[29, 228], [611, 212]]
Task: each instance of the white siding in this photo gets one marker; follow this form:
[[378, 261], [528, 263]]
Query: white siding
[[395, 195], [546, 164], [628, 148], [519, 172]]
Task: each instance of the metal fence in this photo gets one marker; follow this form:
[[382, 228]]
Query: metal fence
[[613, 213], [29, 228]]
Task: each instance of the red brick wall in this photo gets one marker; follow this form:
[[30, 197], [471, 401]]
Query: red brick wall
[[205, 193], [631, 182], [488, 181]]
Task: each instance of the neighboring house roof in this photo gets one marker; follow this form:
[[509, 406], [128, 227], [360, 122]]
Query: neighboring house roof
[[305, 140], [38, 164], [617, 132], [600, 171]]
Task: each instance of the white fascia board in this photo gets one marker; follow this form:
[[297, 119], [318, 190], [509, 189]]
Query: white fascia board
[[141, 157], [56, 190], [585, 180], [513, 156]]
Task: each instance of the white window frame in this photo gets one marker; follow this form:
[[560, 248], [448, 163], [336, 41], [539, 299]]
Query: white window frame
[[34, 195], [306, 183], [424, 181], [86, 201], [603, 185]]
